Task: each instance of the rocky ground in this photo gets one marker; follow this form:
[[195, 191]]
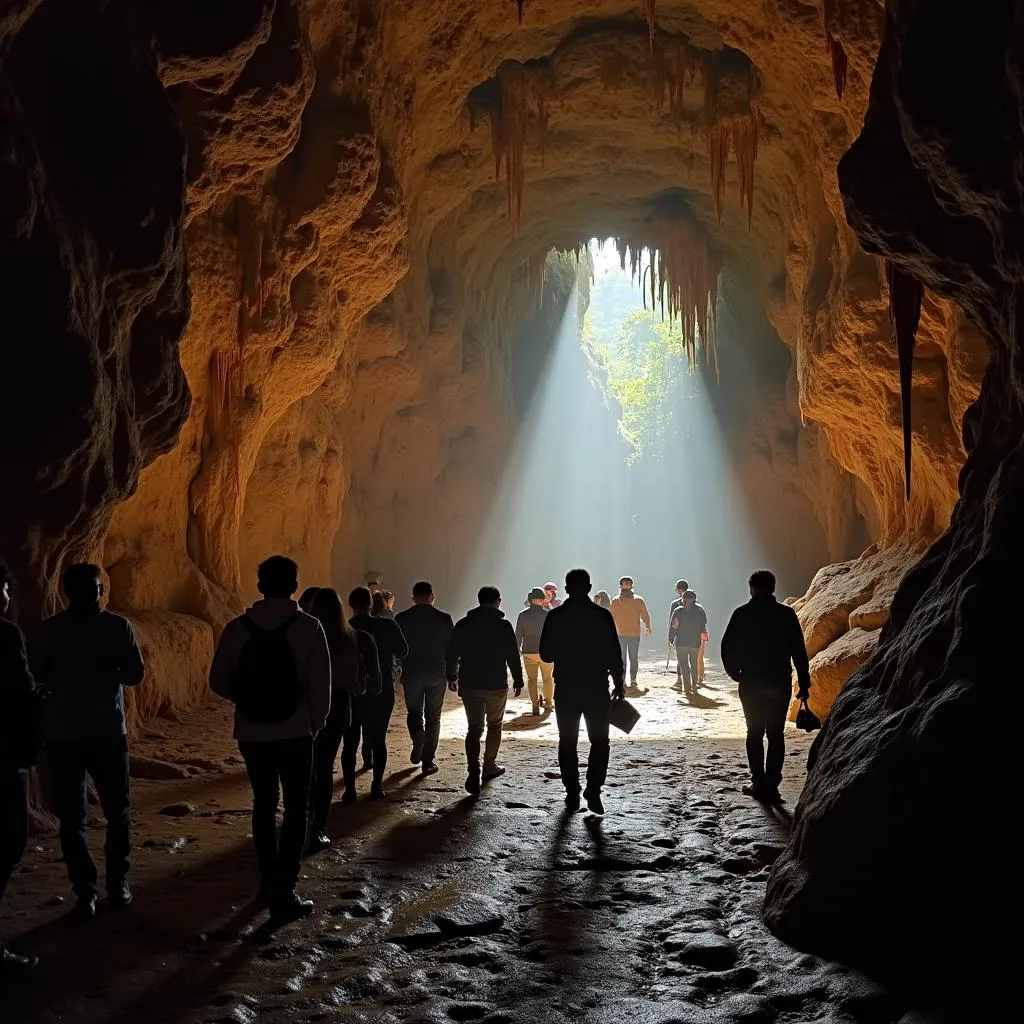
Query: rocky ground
[[433, 907]]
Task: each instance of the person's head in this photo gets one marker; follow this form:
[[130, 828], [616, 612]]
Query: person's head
[[360, 601], [489, 597], [277, 576], [681, 587], [379, 603], [626, 584], [422, 593], [689, 598], [373, 580], [6, 586], [577, 582], [83, 584], [603, 598], [536, 596], [307, 598], [762, 583], [551, 589], [325, 605], [389, 599]]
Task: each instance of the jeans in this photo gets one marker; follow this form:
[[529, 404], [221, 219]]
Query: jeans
[[371, 716], [483, 707], [325, 751], [106, 761], [13, 820], [630, 645], [532, 666], [424, 699], [765, 706], [279, 767], [687, 665], [593, 709]]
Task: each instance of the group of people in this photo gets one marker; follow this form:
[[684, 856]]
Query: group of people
[[308, 678]]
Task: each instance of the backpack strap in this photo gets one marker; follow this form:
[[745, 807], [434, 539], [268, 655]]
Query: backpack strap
[[250, 625]]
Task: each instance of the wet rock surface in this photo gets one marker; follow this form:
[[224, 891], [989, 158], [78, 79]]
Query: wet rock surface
[[433, 907]]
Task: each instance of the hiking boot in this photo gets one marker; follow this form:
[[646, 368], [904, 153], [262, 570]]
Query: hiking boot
[[417, 752], [594, 802], [15, 963], [120, 895], [290, 908], [473, 782], [85, 908], [493, 772], [377, 791], [349, 796], [572, 799], [319, 841], [429, 769], [754, 789]]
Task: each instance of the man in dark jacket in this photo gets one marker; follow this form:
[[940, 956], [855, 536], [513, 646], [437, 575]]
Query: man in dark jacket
[[528, 630], [687, 628], [581, 640], [481, 653], [427, 631], [83, 657], [371, 713], [761, 645], [17, 695]]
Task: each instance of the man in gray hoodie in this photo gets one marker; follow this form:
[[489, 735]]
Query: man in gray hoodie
[[274, 665]]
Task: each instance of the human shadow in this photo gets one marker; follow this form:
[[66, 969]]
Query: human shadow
[[699, 700], [527, 722], [412, 841]]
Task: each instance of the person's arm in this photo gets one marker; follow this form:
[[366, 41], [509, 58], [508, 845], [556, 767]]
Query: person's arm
[[401, 645], [132, 668], [515, 666], [673, 627], [371, 662], [548, 647], [520, 632], [704, 625], [222, 668], [14, 662], [732, 647], [645, 616], [452, 661], [798, 652], [616, 668]]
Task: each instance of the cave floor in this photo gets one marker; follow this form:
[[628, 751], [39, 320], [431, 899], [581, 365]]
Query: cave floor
[[434, 907]]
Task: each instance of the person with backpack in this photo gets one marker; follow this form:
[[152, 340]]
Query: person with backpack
[[371, 713], [19, 749], [355, 670], [274, 665], [84, 657]]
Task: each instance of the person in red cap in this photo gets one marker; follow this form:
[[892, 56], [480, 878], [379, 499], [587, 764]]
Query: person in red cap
[[552, 596]]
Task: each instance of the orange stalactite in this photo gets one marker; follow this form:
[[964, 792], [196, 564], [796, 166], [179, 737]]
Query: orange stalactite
[[650, 10], [835, 50]]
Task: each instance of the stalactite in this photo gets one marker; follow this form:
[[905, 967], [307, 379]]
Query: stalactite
[[738, 132], [520, 4], [905, 295], [676, 65], [835, 50], [650, 10]]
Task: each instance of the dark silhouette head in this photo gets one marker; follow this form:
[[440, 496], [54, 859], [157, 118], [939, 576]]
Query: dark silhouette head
[[762, 583], [681, 587], [277, 576], [6, 586], [307, 599], [422, 593], [489, 596], [83, 585], [379, 603], [689, 598], [360, 601], [577, 582], [326, 606]]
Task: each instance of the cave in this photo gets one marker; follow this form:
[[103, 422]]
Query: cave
[[282, 277]]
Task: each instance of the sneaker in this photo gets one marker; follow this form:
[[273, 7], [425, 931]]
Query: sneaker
[[493, 772], [120, 895], [15, 963], [594, 803], [319, 841], [84, 908], [572, 800], [349, 796], [291, 908], [754, 789], [377, 791], [473, 782], [429, 769], [417, 752]]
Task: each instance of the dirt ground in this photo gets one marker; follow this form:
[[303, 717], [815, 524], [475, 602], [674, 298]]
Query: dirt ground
[[433, 907]]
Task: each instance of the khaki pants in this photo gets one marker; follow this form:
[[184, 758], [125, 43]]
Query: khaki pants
[[700, 660], [483, 707], [532, 665]]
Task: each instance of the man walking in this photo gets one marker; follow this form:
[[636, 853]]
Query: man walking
[[528, 630], [761, 645], [19, 748], [681, 587], [427, 631], [630, 610], [581, 640], [274, 665], [83, 657], [688, 626], [371, 713], [481, 653]]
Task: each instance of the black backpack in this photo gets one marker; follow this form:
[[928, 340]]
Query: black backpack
[[266, 687]]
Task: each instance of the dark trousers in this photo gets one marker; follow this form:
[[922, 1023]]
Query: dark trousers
[[424, 700], [105, 761], [630, 647], [276, 768], [371, 716], [765, 706], [686, 665], [13, 820], [325, 753], [593, 709]]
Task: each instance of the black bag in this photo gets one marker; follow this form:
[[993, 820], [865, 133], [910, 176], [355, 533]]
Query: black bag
[[806, 719], [266, 687]]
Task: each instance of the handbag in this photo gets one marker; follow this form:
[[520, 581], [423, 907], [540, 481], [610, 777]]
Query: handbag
[[806, 719], [623, 715]]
